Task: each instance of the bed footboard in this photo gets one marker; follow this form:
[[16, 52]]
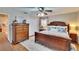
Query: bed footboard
[[53, 42]]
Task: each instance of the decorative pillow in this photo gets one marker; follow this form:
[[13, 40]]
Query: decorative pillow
[[62, 28], [57, 28], [51, 28]]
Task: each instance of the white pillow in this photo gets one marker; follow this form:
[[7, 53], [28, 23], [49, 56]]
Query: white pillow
[[57, 28], [52, 28], [61, 28]]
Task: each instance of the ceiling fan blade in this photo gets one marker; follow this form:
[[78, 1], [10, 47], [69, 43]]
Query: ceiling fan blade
[[48, 10], [45, 13]]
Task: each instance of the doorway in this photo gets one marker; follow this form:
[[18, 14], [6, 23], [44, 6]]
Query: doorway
[[4, 24]]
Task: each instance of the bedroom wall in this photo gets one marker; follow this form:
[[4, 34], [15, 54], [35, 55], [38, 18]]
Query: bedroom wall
[[69, 18], [78, 22], [33, 25], [78, 25]]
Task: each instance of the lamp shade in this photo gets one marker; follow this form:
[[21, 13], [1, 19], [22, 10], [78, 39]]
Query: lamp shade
[[73, 28]]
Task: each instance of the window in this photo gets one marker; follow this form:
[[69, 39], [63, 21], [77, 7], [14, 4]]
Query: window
[[43, 22]]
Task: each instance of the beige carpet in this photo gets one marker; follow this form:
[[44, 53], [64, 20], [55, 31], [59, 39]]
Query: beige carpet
[[77, 46], [5, 45], [19, 47]]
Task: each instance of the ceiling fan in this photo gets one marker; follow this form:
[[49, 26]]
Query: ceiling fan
[[43, 11]]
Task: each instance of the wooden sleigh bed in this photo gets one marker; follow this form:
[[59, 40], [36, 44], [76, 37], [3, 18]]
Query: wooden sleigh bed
[[54, 42]]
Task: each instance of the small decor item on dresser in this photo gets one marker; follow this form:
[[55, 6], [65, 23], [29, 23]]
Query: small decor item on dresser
[[15, 21], [24, 21]]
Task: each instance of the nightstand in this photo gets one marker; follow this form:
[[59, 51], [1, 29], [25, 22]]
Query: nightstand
[[74, 37]]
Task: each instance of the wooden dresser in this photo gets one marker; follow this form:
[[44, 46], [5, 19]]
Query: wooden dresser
[[20, 32]]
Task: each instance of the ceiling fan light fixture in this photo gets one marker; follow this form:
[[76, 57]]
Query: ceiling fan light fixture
[[41, 9], [41, 14]]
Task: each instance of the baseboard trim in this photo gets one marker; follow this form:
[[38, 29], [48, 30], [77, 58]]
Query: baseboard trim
[[31, 35]]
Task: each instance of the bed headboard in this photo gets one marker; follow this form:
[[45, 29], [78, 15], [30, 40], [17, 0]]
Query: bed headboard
[[59, 23]]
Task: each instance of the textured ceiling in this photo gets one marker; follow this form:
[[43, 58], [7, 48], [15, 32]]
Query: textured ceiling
[[56, 10], [34, 10]]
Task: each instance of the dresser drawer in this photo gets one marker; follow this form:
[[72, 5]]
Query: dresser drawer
[[19, 26], [19, 29], [19, 32], [25, 28]]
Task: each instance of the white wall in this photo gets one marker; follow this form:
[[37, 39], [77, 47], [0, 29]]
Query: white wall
[[78, 25], [78, 21], [69, 18], [33, 25]]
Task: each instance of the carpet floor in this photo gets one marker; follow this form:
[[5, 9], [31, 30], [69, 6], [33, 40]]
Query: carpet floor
[[19, 47]]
